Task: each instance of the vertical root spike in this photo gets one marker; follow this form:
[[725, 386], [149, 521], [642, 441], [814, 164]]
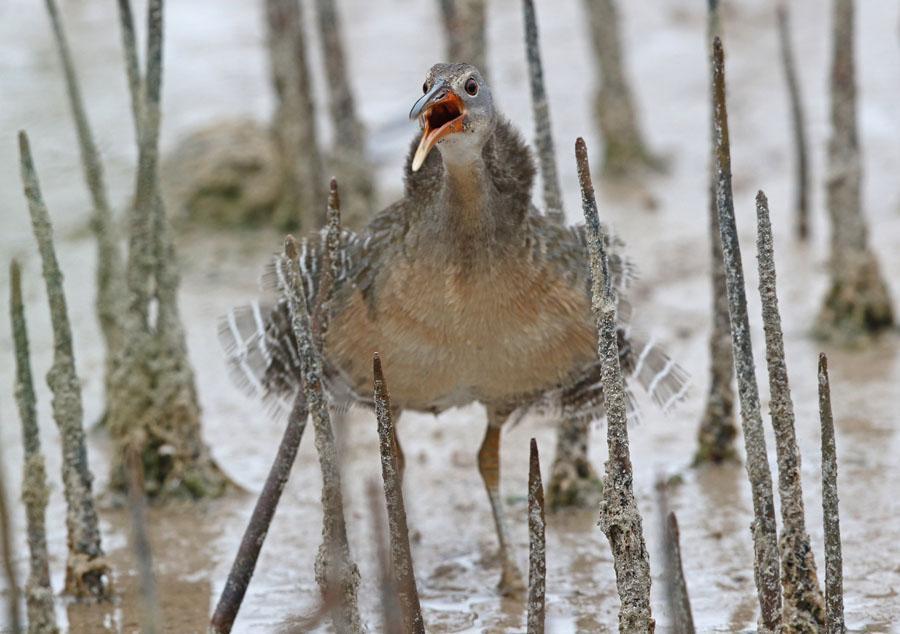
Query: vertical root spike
[[718, 428], [620, 519], [258, 527], [834, 571], [798, 120], [765, 541], [335, 570], [87, 573], [858, 301], [401, 555], [39, 592], [803, 603], [294, 126], [625, 151], [140, 544], [13, 614], [537, 553], [543, 127]]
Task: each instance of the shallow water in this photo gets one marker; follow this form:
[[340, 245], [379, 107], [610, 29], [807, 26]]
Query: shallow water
[[216, 67]]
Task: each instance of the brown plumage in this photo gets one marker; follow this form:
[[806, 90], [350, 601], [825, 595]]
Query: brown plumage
[[466, 291]]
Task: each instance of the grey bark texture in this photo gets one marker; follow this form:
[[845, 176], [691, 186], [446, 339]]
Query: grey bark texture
[[465, 32], [153, 404], [858, 301], [834, 567], [38, 592], [798, 121], [86, 568], [718, 428], [765, 541], [110, 281], [294, 124], [537, 544], [335, 570], [625, 149], [401, 555], [803, 603], [349, 157], [620, 519]]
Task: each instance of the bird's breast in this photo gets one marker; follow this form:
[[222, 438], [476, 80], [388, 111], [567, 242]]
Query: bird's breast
[[449, 334]]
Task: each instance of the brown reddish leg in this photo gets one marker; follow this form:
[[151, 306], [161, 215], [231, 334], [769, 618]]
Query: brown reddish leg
[[489, 465]]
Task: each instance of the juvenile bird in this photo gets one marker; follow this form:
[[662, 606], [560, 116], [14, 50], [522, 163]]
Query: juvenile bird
[[467, 292]]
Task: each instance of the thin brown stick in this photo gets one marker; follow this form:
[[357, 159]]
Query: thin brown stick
[[765, 541], [86, 569], [620, 519], [391, 621], [110, 283], [13, 613], [334, 565], [39, 592], [543, 134], [140, 545], [798, 120], [803, 603], [258, 527], [834, 567], [401, 555], [718, 428], [537, 545]]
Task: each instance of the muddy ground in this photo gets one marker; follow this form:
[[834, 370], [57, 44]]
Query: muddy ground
[[216, 68]]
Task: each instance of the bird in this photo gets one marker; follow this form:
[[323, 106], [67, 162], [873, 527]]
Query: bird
[[464, 288]]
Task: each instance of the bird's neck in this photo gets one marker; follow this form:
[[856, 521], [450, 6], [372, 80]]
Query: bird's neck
[[466, 194], [466, 221]]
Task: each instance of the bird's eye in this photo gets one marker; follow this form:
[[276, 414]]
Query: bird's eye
[[472, 86], [425, 87]]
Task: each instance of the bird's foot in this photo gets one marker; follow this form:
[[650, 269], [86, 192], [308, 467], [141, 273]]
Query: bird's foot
[[574, 484], [511, 581]]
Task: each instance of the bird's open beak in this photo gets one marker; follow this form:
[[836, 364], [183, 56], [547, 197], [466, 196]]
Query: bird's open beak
[[441, 112]]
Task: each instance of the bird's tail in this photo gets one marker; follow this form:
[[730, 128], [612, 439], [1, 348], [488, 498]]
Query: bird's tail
[[261, 354], [643, 362], [647, 363]]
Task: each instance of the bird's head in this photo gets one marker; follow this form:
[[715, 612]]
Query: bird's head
[[456, 110]]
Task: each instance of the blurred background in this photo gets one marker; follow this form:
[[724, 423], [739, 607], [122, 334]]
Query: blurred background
[[217, 70]]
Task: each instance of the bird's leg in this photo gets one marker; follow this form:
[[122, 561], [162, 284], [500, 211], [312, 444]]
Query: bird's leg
[[489, 466]]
